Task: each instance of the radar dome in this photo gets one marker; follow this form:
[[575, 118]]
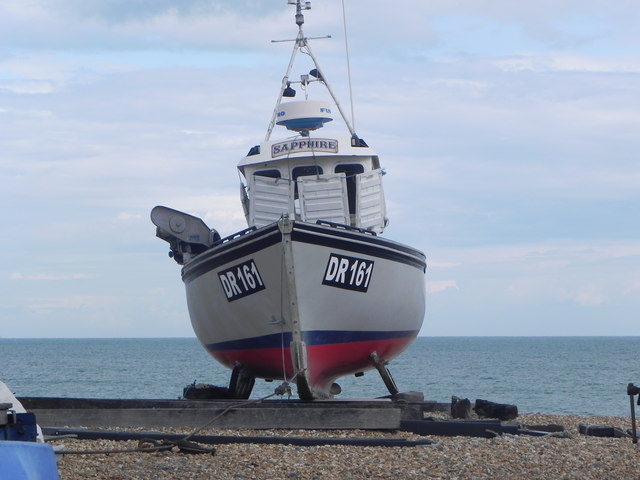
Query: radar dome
[[305, 115]]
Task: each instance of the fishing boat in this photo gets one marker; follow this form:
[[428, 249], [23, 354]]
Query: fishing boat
[[310, 291]]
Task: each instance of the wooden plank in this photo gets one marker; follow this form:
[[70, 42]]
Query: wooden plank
[[380, 413], [253, 418]]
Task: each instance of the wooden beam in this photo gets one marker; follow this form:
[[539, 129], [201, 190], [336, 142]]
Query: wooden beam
[[252, 418]]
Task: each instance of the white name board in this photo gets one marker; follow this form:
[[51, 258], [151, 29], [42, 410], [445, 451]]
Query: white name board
[[304, 145]]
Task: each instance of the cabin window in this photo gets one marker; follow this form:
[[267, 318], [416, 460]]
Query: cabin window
[[304, 171], [271, 173], [350, 170]]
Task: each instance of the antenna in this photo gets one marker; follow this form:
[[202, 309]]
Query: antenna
[[302, 43], [299, 7]]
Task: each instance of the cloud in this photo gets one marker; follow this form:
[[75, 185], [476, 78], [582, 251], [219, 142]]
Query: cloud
[[483, 26], [124, 11], [545, 255], [632, 287], [70, 303], [553, 288], [127, 217], [79, 26], [438, 286], [436, 264], [49, 277], [589, 295]]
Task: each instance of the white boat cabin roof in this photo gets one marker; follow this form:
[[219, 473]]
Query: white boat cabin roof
[[299, 149]]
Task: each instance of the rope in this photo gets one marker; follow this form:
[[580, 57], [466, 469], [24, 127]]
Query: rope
[[182, 443], [346, 47], [109, 451], [224, 412]]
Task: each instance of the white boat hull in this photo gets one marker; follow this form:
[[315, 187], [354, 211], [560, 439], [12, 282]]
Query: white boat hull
[[310, 302]]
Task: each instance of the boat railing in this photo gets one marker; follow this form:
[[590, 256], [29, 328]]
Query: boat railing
[[342, 226], [235, 235], [325, 223]]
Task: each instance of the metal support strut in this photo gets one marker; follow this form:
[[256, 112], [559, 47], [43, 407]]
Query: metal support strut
[[384, 372]]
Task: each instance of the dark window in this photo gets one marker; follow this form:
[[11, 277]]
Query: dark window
[[303, 172], [306, 171], [350, 170], [273, 173]]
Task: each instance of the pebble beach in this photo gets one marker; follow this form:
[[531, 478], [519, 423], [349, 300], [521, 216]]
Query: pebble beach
[[572, 456]]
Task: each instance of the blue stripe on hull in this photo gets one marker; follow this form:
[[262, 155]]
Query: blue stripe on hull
[[312, 338]]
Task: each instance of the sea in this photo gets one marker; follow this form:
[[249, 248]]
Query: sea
[[556, 375]]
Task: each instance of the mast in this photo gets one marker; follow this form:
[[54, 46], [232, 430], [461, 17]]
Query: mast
[[301, 43]]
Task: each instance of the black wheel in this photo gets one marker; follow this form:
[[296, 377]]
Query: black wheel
[[241, 383], [304, 391]]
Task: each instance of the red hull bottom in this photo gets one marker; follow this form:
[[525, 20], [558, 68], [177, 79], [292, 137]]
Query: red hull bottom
[[325, 362]]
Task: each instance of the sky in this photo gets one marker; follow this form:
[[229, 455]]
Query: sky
[[509, 132]]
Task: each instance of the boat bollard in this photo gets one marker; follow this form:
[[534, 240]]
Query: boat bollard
[[632, 390]]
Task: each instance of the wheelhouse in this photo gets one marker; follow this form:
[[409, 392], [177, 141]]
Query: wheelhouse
[[308, 183]]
